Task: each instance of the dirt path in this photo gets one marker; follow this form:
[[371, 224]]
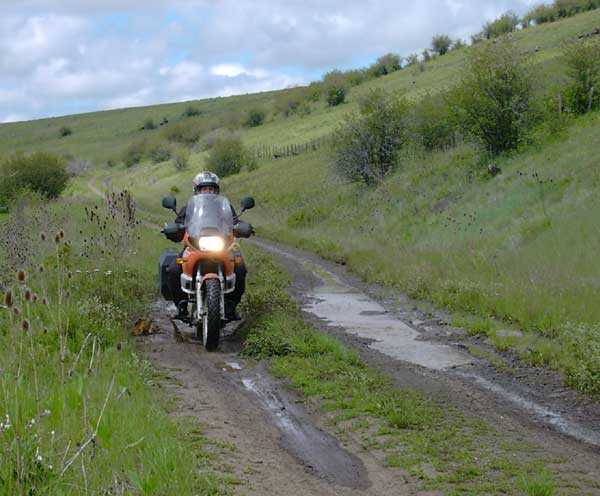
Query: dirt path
[[279, 447], [282, 449]]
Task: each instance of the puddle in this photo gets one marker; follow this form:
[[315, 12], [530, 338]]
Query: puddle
[[544, 414], [320, 452], [345, 307]]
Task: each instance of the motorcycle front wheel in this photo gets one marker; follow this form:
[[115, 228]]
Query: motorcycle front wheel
[[209, 328]]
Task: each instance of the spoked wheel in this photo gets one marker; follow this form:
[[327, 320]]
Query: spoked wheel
[[209, 328]]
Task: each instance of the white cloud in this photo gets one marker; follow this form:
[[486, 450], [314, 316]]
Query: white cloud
[[73, 55]]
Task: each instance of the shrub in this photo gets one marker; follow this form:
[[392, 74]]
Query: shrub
[[386, 64], [441, 44], [540, 15], [186, 133], [228, 156], [159, 152], [40, 172], [432, 123], [492, 102], [426, 55], [458, 44], [65, 131], [181, 158], [583, 70], [506, 23], [367, 145], [336, 95], [134, 153], [412, 59], [255, 117], [287, 102], [191, 111], [148, 125]]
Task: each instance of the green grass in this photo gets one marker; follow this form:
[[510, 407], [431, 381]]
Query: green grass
[[440, 447], [520, 248], [82, 405]]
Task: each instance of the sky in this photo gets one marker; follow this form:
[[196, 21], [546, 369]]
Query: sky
[[60, 57]]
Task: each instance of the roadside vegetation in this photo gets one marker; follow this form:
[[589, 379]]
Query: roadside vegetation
[[440, 448], [484, 188], [79, 409]]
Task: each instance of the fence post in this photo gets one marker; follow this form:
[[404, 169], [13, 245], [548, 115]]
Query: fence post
[[591, 100]]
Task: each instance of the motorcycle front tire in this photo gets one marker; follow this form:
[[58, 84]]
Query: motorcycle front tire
[[209, 328]]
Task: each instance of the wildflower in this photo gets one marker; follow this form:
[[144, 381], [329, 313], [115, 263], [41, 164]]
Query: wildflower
[[9, 298], [21, 276]]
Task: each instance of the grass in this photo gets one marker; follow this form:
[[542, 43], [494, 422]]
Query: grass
[[79, 407], [518, 249], [441, 448]]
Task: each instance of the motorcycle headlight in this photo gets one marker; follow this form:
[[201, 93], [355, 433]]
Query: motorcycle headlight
[[211, 243]]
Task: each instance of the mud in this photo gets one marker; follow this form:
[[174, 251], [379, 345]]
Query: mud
[[280, 447], [430, 356]]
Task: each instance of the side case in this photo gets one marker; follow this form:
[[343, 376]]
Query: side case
[[165, 259]]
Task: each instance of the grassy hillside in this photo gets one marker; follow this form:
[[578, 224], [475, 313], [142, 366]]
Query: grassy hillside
[[519, 249]]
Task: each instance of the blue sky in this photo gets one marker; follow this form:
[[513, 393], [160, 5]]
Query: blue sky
[[70, 56]]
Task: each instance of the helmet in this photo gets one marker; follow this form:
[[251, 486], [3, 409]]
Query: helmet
[[206, 179]]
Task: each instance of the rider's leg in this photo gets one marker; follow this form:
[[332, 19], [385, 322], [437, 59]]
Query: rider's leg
[[174, 280], [232, 299]]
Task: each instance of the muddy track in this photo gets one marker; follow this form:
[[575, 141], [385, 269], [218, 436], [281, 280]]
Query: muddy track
[[419, 350], [283, 449], [279, 447]]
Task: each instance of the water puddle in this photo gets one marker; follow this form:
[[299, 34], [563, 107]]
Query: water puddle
[[343, 306], [319, 452]]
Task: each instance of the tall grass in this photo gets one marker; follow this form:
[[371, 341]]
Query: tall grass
[[78, 413]]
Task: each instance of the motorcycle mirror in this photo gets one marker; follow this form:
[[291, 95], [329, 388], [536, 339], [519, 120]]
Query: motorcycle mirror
[[247, 203], [242, 230], [170, 202]]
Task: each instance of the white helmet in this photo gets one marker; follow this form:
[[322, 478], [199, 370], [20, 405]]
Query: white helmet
[[206, 178]]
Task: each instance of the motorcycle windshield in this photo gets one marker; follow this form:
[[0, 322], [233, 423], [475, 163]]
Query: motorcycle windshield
[[208, 215]]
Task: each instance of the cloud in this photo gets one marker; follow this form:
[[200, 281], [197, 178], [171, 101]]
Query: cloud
[[74, 56]]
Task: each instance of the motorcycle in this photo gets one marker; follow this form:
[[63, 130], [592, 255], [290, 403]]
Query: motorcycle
[[208, 260]]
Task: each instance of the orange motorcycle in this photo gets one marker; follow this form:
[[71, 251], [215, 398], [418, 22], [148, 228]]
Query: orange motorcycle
[[208, 260]]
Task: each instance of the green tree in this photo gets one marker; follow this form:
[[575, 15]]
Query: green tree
[[255, 117], [583, 70], [440, 44], [367, 144], [228, 156], [492, 102], [40, 172]]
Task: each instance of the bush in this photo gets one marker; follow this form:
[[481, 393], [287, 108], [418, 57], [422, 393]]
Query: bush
[[191, 111], [458, 44], [336, 95], [288, 101], [228, 156], [367, 144], [65, 131], [386, 64], [134, 153], [432, 123], [186, 133], [148, 125], [255, 118], [441, 44], [159, 152], [540, 15], [506, 23], [39, 172], [583, 70], [426, 55], [412, 59], [181, 158], [492, 102]]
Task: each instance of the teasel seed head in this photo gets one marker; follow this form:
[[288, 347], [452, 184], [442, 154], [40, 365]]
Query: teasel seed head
[[27, 294], [25, 325], [9, 298], [21, 276]]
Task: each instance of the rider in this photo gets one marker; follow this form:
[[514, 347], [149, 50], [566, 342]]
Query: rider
[[207, 183]]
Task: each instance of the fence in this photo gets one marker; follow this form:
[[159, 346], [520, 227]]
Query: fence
[[277, 151]]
